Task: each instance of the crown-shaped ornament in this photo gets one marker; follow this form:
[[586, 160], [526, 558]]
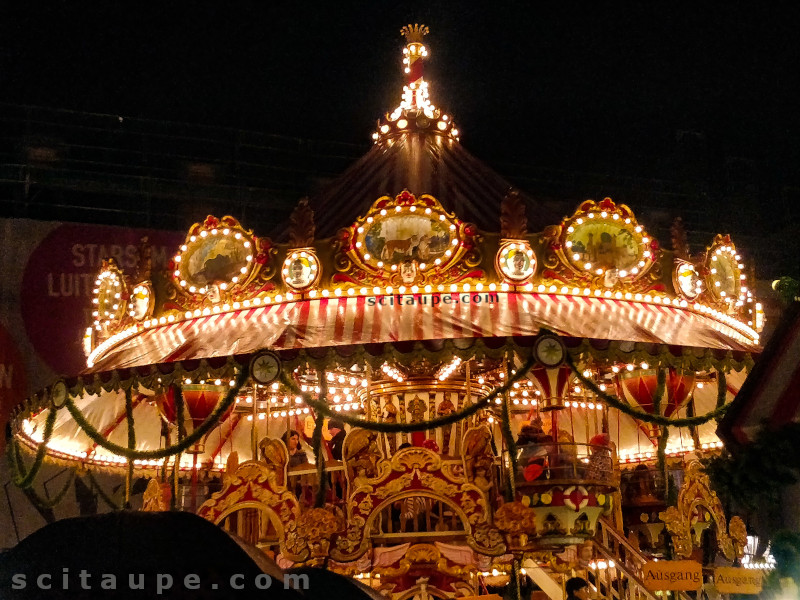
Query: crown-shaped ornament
[[414, 33]]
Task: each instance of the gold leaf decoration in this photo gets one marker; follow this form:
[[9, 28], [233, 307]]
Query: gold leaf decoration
[[301, 225], [513, 218], [680, 245]]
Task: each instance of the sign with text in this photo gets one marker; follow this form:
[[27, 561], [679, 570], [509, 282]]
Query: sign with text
[[733, 580], [56, 295], [674, 575]]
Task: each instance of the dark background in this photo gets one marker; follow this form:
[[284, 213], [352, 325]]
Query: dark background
[[676, 108]]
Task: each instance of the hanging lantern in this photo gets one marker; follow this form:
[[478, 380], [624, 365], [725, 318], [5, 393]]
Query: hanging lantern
[[638, 389], [552, 384], [199, 401]]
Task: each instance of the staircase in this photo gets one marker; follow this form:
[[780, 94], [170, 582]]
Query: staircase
[[617, 574]]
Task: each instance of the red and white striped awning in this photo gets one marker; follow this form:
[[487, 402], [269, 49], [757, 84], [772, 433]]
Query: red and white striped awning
[[369, 319]]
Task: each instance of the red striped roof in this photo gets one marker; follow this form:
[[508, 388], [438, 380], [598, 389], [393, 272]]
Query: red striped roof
[[364, 320]]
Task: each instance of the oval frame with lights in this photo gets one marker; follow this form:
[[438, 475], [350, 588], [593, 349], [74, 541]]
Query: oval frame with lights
[[427, 246], [623, 254], [515, 261], [109, 301], [301, 270], [724, 274], [216, 256], [141, 302], [687, 281]]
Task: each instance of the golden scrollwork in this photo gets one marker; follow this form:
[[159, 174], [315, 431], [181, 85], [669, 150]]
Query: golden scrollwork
[[517, 522], [221, 262], [253, 485], [696, 496], [316, 528], [416, 472], [153, 499], [678, 527], [427, 554]]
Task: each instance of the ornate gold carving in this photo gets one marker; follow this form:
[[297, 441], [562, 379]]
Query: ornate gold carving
[[407, 241], [678, 528], [276, 457], [233, 265], [513, 218], [425, 554], [254, 485], [723, 275], [361, 453], [414, 33], [301, 225], [695, 498], [476, 452], [153, 499], [315, 529], [416, 472], [517, 522]]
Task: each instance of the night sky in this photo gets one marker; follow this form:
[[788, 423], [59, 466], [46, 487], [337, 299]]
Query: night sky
[[590, 88], [568, 86]]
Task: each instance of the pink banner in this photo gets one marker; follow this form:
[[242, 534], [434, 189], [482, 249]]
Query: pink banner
[[59, 278]]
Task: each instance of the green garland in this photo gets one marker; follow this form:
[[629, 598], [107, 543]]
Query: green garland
[[614, 402], [505, 427], [722, 390], [22, 477], [316, 444], [324, 409], [182, 445], [48, 504], [100, 492]]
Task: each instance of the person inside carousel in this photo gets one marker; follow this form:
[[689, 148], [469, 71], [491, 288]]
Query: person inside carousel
[[336, 429], [533, 449], [577, 588], [601, 464], [564, 458], [297, 456]]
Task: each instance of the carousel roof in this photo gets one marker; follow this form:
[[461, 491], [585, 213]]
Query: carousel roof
[[421, 160], [345, 321], [346, 231]]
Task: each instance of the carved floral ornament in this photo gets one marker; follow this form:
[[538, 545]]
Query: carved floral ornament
[[416, 472], [696, 503], [407, 241]]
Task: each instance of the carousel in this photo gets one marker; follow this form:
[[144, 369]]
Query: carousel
[[427, 384]]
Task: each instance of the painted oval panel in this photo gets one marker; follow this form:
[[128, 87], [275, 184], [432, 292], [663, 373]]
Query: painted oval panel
[[604, 245], [215, 259], [724, 276], [394, 239]]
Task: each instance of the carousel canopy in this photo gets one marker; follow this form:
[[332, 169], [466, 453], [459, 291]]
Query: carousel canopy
[[415, 160], [409, 256]]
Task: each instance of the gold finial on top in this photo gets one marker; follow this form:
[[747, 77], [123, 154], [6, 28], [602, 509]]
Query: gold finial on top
[[414, 33]]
